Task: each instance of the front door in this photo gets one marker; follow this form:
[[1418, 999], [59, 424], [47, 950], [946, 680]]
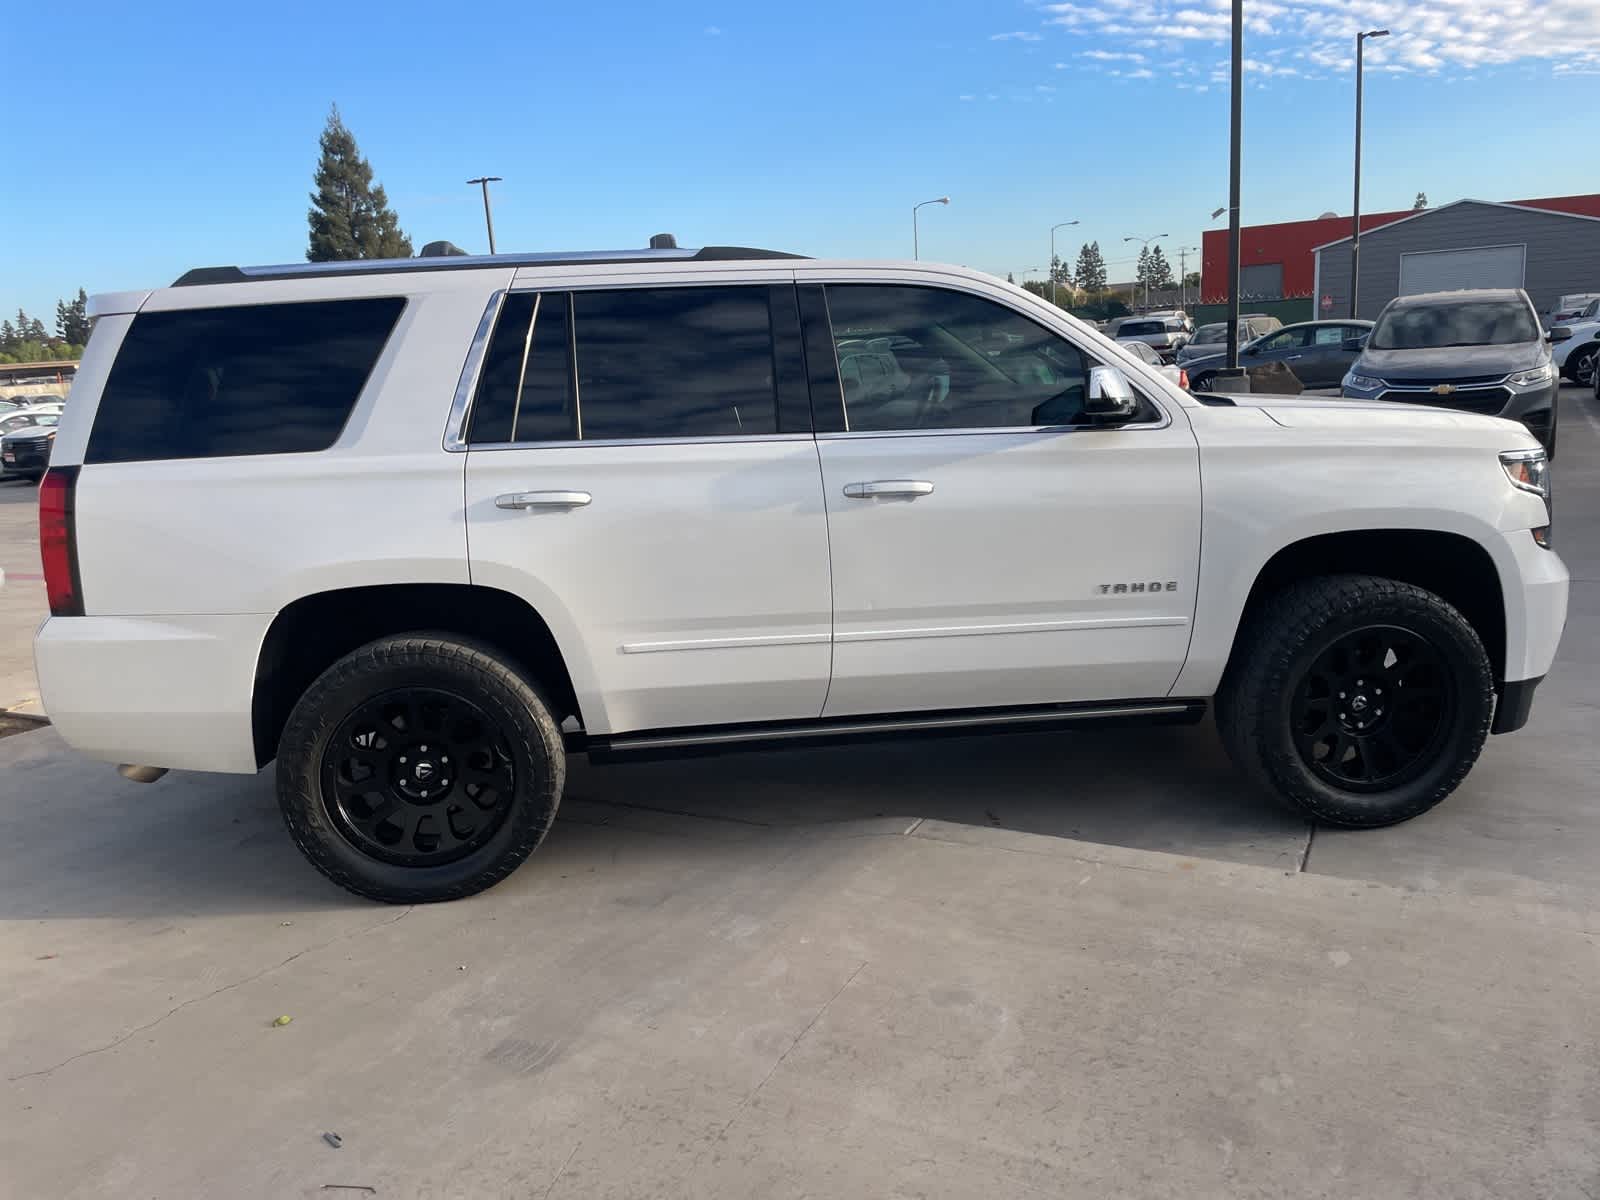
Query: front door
[[989, 546], [641, 470]]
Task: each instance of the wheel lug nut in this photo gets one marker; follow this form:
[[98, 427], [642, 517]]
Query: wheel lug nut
[[402, 758], [424, 749], [1341, 696]]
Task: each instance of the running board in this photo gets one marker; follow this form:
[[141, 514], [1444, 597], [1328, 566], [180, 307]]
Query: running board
[[717, 739]]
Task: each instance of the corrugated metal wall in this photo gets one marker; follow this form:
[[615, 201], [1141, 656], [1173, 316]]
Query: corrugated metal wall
[[1563, 253]]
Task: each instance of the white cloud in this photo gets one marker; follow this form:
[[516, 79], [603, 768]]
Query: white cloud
[[1112, 56], [968, 96], [1019, 36], [1441, 35], [713, 31]]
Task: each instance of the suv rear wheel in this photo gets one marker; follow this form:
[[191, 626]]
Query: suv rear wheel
[[419, 768], [1356, 700]]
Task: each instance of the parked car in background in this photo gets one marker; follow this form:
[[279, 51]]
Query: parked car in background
[[25, 454], [1476, 351], [1575, 349], [19, 418], [1147, 355], [1212, 338], [1318, 352], [1165, 335], [1573, 307]]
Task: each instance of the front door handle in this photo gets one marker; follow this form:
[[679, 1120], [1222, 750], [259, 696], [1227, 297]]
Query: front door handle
[[888, 487], [537, 500], [1292, 357]]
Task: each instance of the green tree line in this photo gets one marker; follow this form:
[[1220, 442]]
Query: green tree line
[[24, 339]]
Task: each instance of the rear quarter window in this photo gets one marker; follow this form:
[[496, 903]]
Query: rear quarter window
[[253, 379]]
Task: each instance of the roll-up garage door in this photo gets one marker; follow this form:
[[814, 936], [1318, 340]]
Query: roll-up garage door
[[1453, 270]]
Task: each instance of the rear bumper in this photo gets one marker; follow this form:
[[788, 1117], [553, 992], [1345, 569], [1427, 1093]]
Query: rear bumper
[[159, 691]]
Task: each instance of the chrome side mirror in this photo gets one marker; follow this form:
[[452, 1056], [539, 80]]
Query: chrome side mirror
[[1111, 397]]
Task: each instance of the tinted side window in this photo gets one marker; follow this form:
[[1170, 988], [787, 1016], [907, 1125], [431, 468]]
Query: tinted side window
[[1289, 339], [525, 388], [921, 358], [676, 362], [257, 379]]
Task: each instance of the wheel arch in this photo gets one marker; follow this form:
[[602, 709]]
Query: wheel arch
[[1451, 565], [315, 631]]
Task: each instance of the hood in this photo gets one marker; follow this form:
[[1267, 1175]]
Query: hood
[[1386, 420], [1450, 362], [29, 433]]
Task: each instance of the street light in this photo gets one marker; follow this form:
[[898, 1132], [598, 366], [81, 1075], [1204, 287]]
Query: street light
[[484, 181], [915, 248], [1144, 243], [1053, 229], [1355, 216]]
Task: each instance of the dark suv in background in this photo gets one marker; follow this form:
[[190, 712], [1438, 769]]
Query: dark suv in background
[[1477, 351]]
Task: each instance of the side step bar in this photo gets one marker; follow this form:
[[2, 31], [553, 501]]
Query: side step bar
[[718, 739]]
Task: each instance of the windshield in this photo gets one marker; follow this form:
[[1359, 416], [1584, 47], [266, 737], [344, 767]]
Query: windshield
[[1477, 323], [1212, 333], [1141, 328]]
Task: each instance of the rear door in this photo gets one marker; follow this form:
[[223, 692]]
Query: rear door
[[641, 469], [989, 547]]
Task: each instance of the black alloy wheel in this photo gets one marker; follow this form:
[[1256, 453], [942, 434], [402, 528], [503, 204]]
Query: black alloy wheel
[[1356, 700], [418, 777], [1370, 711], [420, 767], [1583, 364]]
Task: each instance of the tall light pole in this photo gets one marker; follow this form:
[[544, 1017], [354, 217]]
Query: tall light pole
[[1235, 150], [1183, 273], [1053, 229], [1355, 216], [484, 181], [916, 249], [1144, 243]]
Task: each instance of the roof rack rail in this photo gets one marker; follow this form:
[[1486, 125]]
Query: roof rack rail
[[469, 262]]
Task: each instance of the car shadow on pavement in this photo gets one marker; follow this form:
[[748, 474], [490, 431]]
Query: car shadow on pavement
[[78, 841]]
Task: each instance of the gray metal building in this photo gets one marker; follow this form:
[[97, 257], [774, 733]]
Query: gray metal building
[[1466, 244]]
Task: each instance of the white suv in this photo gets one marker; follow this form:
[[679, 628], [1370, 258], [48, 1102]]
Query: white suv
[[420, 529]]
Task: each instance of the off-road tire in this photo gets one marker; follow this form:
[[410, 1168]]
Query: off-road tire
[[1277, 646], [426, 661]]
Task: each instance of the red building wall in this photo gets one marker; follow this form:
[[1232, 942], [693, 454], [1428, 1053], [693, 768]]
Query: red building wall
[[1292, 242]]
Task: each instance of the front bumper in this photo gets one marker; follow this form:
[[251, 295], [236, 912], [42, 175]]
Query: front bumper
[[1533, 407]]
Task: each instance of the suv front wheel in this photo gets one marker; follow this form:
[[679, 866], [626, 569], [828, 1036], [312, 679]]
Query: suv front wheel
[[419, 768], [1358, 701]]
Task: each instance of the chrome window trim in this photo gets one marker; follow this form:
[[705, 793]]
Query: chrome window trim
[[455, 430], [574, 443]]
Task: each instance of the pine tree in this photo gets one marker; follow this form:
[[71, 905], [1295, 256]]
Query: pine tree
[[1421, 202], [36, 331], [1160, 270], [350, 216], [8, 335], [1141, 273], [1091, 270], [72, 319], [1010, 278], [1060, 273]]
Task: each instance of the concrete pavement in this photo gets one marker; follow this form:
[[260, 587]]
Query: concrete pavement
[[1059, 966]]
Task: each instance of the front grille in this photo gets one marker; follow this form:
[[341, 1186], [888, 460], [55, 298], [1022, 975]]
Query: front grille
[[1452, 380], [1488, 400], [28, 454]]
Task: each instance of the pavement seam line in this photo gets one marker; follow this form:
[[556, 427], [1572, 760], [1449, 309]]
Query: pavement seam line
[[562, 1171], [800, 1037], [193, 1000], [1305, 855]]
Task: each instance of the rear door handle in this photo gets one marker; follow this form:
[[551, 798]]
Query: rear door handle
[[537, 500], [888, 487]]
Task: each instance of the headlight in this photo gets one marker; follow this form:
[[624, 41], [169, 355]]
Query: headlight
[[1528, 470], [1535, 377], [1363, 383]]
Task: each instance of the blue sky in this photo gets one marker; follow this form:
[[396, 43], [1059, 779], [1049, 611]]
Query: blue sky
[[174, 135]]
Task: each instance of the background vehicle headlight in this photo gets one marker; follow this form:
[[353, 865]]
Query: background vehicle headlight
[[1365, 383], [1528, 470], [1533, 377]]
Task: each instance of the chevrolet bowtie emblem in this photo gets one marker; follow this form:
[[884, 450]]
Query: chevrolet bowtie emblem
[[1444, 389]]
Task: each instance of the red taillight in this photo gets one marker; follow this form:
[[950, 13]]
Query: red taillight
[[58, 541], [1183, 379]]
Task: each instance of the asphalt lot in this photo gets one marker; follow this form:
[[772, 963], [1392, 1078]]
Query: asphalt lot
[[1081, 965]]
